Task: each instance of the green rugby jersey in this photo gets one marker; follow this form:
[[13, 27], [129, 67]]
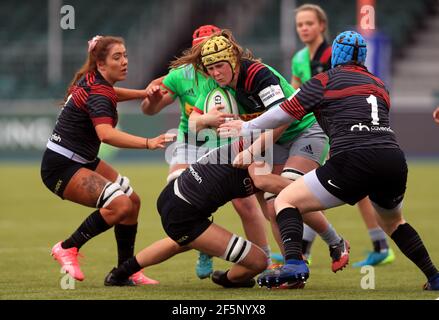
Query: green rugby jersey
[[300, 65], [304, 68], [184, 83]]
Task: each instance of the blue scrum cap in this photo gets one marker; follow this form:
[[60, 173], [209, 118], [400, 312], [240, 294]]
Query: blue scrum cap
[[348, 46]]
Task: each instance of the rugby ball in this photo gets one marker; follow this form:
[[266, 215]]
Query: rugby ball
[[220, 96]]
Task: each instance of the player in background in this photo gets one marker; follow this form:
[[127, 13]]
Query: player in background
[[352, 107], [183, 83], [314, 58], [302, 147], [71, 169]]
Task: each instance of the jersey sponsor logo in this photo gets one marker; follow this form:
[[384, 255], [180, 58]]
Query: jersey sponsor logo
[[381, 129], [307, 149], [362, 127], [332, 184], [271, 94], [58, 185], [195, 175]]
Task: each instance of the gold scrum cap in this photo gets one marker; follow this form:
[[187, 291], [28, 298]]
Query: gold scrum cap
[[217, 49]]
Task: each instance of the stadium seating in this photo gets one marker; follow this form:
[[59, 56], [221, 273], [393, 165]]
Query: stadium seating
[[23, 73]]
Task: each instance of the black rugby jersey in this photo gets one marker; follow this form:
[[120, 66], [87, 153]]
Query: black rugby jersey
[[92, 101], [212, 181], [350, 104], [322, 59]]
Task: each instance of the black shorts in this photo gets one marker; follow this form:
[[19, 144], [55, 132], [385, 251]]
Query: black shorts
[[57, 170], [380, 174], [181, 221]]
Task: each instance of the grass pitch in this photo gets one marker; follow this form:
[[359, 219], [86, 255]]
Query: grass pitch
[[32, 219]]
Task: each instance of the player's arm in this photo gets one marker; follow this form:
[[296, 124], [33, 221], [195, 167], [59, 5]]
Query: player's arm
[[120, 139], [264, 180], [125, 94], [255, 150], [157, 97]]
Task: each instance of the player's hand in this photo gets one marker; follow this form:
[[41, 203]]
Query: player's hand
[[160, 141], [152, 86], [436, 115], [215, 117], [243, 159], [230, 129], [153, 95]]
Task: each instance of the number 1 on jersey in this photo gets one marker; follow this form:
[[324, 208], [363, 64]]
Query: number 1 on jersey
[[372, 100]]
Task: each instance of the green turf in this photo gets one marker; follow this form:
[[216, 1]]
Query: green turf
[[32, 219]]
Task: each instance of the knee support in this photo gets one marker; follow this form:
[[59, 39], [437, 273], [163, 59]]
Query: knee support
[[289, 173], [124, 183], [174, 175], [237, 249], [108, 194]]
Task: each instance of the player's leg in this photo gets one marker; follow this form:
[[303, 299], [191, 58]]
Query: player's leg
[[306, 153], [294, 168], [249, 259], [84, 186], [408, 241], [155, 253], [290, 204], [304, 196], [253, 222], [386, 197], [382, 253], [266, 202], [126, 231]]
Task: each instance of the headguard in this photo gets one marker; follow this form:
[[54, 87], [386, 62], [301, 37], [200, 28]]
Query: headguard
[[216, 49], [349, 46], [204, 32]]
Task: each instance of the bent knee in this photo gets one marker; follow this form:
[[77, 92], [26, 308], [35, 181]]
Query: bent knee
[[260, 263], [135, 199], [121, 208]]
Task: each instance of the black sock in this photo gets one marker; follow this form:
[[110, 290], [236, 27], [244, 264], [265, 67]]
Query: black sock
[[380, 245], [291, 229], [409, 242], [126, 269], [93, 225], [125, 238], [224, 280], [306, 247]]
